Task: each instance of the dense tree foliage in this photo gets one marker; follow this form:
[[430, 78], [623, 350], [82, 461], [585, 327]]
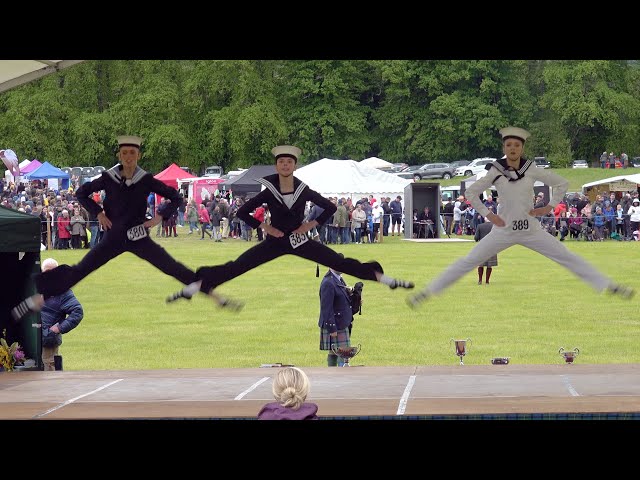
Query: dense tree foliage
[[232, 112]]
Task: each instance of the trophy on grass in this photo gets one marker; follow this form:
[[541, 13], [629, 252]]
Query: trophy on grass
[[461, 348], [569, 355], [346, 353]]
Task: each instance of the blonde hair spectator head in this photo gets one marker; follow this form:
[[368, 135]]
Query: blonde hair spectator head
[[291, 387], [48, 264]]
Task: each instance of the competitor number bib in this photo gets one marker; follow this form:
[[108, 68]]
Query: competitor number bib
[[136, 233], [297, 239], [520, 225]]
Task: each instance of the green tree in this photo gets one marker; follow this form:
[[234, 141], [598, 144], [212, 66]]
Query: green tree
[[34, 121], [445, 110], [236, 108], [591, 101], [322, 103]]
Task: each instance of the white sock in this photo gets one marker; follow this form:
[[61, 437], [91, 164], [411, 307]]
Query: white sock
[[388, 281], [192, 288], [31, 304]]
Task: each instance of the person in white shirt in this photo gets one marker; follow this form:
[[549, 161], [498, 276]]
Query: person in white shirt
[[634, 215], [457, 218], [514, 177], [377, 212]]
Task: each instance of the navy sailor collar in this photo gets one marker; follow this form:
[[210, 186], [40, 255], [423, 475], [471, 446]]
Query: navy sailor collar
[[115, 174], [503, 167]]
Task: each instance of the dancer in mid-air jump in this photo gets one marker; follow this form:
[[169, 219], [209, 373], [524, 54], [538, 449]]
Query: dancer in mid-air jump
[[514, 177], [286, 197], [126, 188]]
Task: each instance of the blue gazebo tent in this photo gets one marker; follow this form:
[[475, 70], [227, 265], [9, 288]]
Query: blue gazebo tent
[[47, 171]]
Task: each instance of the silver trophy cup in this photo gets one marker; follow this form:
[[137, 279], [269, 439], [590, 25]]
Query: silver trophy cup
[[569, 355], [346, 353], [461, 348]]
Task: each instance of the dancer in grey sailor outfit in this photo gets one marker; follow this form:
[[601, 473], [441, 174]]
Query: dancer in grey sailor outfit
[[126, 188], [514, 177], [286, 197]]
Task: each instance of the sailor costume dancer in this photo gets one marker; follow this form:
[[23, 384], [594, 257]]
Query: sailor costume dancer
[[286, 197], [126, 228], [516, 224]]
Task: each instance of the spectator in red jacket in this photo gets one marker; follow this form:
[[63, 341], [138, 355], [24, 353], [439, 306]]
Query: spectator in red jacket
[[205, 221], [258, 214], [64, 230]]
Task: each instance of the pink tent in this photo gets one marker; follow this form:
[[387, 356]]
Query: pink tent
[[35, 164]]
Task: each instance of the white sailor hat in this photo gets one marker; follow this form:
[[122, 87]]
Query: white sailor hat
[[129, 140], [286, 150], [516, 132]]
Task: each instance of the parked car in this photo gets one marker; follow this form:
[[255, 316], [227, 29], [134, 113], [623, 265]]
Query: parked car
[[579, 164], [398, 167], [460, 163], [635, 162], [428, 170], [542, 162], [475, 167]]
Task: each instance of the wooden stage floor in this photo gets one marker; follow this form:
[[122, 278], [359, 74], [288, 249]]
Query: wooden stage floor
[[416, 392]]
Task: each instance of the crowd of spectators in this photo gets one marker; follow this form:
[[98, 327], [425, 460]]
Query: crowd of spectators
[[610, 216], [66, 224]]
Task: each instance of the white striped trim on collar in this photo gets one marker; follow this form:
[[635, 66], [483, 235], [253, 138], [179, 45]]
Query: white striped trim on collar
[[520, 172], [114, 173], [276, 193]]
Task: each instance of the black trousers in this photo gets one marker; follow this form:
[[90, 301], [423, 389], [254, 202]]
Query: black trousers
[[272, 248], [112, 244]]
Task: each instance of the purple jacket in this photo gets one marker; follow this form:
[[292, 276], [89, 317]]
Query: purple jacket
[[275, 411]]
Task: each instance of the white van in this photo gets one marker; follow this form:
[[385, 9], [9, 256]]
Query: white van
[[213, 171], [451, 192]]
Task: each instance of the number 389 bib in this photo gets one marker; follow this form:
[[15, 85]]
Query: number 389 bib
[[520, 225], [297, 239], [136, 233]]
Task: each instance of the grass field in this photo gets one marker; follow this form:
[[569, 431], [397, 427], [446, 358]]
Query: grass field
[[532, 308]]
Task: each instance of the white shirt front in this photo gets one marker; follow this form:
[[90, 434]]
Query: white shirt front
[[515, 196]]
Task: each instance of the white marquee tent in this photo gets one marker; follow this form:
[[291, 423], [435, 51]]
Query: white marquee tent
[[18, 72], [618, 183], [375, 162], [350, 179]]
